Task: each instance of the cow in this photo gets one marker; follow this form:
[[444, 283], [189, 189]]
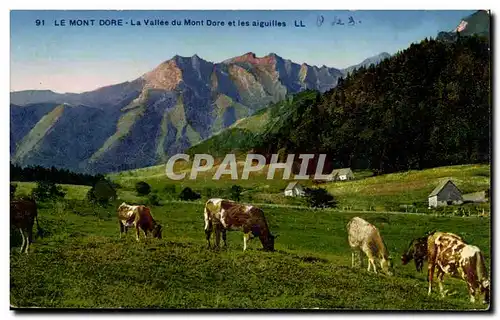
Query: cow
[[451, 255], [417, 251], [23, 213], [364, 237], [228, 215], [139, 217]]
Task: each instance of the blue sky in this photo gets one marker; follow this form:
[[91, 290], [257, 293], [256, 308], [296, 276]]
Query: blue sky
[[76, 59]]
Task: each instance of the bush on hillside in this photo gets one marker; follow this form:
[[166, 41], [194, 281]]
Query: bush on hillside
[[102, 192], [187, 194], [319, 198], [47, 190], [142, 188], [235, 192]]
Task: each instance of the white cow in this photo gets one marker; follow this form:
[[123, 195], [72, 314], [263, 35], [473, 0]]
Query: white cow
[[365, 237]]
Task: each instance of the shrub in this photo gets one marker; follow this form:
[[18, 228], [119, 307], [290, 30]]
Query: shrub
[[187, 194], [235, 192], [102, 192], [319, 198], [47, 190], [142, 188]]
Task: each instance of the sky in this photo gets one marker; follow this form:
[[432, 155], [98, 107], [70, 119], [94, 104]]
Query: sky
[[83, 58]]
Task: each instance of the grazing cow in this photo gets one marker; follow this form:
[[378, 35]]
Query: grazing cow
[[228, 215], [365, 237], [452, 256], [23, 214], [140, 217], [416, 251]]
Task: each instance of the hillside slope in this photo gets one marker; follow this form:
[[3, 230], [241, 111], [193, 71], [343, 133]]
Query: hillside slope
[[435, 92]]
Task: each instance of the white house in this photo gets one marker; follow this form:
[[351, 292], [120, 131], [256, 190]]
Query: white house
[[294, 189], [446, 193], [342, 174]]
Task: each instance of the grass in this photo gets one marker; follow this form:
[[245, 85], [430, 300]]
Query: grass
[[82, 263]]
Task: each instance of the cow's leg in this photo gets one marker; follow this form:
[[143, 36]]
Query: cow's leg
[[472, 292], [24, 240], [122, 228], [430, 275], [246, 238], [218, 228], [247, 231], [419, 263], [29, 239], [359, 254], [430, 269], [370, 259], [440, 276], [137, 232], [374, 265], [208, 231], [224, 237], [471, 280]]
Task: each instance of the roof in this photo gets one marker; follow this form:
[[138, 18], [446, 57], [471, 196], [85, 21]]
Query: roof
[[342, 171], [291, 185], [440, 187]]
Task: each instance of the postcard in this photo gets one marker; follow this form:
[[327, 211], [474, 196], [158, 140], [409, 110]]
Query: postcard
[[241, 160]]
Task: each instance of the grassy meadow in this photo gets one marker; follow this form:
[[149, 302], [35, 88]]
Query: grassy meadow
[[384, 193], [81, 262]]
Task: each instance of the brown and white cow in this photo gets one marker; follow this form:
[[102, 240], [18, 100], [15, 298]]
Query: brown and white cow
[[23, 214], [228, 215], [365, 237], [451, 255], [139, 217]]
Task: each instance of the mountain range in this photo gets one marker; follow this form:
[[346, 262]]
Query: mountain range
[[176, 105], [141, 122]]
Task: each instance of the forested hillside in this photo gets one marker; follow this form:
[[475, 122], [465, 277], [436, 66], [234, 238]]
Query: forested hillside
[[426, 106]]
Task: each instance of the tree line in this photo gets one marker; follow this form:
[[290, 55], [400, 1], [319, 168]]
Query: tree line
[[55, 175]]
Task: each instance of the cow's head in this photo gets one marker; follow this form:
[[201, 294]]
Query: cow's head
[[405, 258], [386, 265], [269, 244], [157, 231]]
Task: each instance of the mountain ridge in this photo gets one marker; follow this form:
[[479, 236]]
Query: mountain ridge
[[137, 123]]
